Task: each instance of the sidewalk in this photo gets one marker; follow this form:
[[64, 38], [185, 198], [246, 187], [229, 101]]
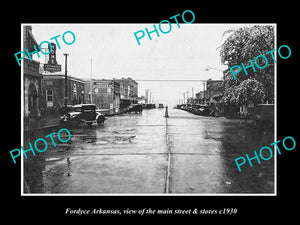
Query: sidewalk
[[50, 121], [46, 121]]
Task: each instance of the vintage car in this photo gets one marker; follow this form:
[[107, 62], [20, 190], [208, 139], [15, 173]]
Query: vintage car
[[203, 110], [82, 114], [149, 106], [137, 108], [160, 106]]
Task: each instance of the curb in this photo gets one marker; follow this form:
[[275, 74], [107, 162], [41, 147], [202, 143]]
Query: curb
[[43, 127]]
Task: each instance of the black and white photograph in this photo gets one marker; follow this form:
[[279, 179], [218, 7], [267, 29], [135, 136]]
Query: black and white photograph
[[143, 109], [132, 112]]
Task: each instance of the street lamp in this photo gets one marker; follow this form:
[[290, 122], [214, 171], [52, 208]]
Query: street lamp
[[211, 68]]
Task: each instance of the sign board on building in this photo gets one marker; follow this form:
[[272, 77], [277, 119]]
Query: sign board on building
[[104, 84], [52, 65], [102, 90], [52, 68]]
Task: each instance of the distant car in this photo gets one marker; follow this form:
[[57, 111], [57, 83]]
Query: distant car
[[137, 108], [160, 106], [83, 113], [149, 106]]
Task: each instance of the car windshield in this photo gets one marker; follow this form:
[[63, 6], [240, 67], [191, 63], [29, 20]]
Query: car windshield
[[81, 108], [89, 108]]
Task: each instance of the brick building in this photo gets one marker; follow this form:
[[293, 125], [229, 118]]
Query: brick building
[[128, 88], [128, 91], [212, 93], [113, 94], [31, 77], [53, 90], [105, 93], [214, 90]]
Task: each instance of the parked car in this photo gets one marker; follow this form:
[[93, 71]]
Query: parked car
[[137, 108], [194, 108], [203, 111], [82, 113], [149, 106], [160, 106]]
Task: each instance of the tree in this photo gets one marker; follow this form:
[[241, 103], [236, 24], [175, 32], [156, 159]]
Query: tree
[[247, 91], [245, 44]]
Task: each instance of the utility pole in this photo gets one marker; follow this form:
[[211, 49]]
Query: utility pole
[[192, 95], [187, 97], [204, 92], [192, 92], [91, 83], [66, 82]]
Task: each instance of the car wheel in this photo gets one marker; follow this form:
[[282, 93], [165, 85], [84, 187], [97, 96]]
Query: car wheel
[[100, 120]]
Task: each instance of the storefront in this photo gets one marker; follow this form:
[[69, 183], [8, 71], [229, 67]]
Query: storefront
[[53, 86], [105, 94], [31, 77]]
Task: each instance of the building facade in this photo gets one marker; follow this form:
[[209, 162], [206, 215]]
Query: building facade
[[31, 77], [128, 88], [111, 94], [212, 93], [104, 93], [214, 90], [53, 91]]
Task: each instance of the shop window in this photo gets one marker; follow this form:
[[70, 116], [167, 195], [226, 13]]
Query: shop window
[[49, 97]]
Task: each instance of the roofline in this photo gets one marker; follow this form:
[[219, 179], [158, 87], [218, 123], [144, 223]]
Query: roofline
[[61, 76], [85, 80]]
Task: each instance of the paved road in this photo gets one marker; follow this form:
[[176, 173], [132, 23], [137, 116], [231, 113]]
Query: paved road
[[147, 153]]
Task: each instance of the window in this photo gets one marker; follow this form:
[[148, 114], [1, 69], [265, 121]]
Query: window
[[49, 98], [49, 95], [49, 82]]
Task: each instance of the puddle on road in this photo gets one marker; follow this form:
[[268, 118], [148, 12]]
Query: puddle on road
[[52, 159], [116, 139]]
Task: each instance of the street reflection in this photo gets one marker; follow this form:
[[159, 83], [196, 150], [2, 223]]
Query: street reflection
[[116, 157]]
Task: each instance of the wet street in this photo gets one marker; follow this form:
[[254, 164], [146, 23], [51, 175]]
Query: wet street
[[150, 154]]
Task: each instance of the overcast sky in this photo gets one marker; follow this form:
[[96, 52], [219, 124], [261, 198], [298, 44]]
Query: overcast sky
[[183, 54]]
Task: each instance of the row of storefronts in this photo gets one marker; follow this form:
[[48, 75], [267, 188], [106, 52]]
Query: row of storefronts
[[211, 94], [32, 77], [104, 93], [44, 91]]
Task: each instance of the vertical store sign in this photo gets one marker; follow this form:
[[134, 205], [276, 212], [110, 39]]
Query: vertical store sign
[[52, 65], [52, 55]]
